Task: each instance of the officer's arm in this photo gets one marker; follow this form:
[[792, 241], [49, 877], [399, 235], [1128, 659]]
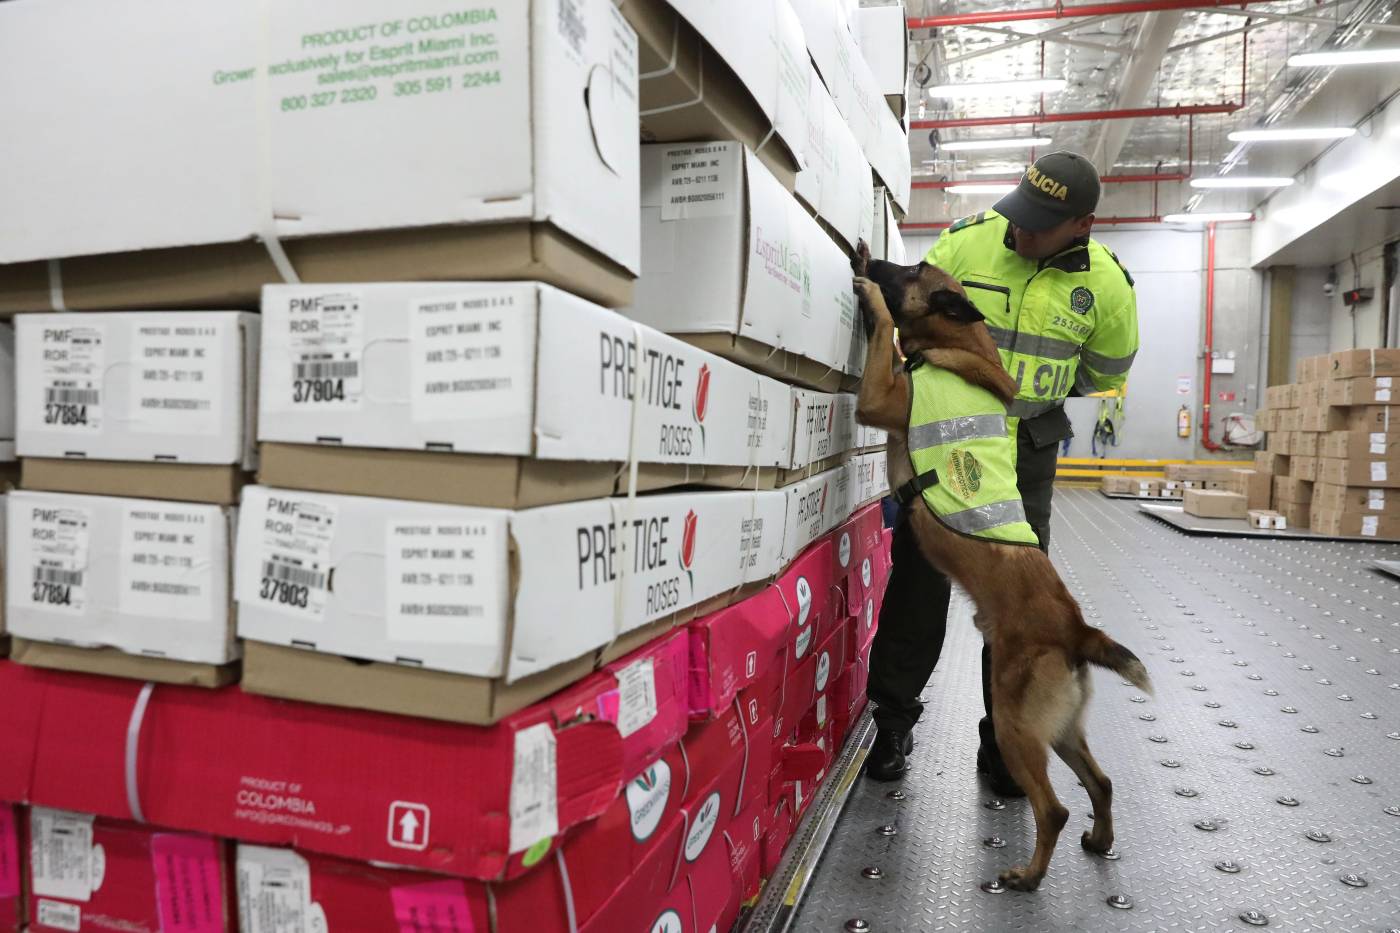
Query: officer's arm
[[1108, 353]]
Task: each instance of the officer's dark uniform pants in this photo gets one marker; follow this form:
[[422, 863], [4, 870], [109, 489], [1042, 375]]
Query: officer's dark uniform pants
[[914, 616]]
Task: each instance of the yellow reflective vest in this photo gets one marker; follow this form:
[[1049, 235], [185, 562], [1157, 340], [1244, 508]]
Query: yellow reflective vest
[[1064, 321], [963, 457]]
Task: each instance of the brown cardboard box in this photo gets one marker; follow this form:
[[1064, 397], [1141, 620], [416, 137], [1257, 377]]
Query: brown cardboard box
[[1278, 396], [1293, 490], [1369, 472], [1119, 485], [1305, 443], [1304, 467], [1380, 390], [1264, 419], [1267, 519], [109, 662], [1215, 503], [1359, 445], [1311, 368], [1352, 524], [1255, 486], [1270, 461], [1281, 442], [1370, 418], [1362, 499], [1346, 364], [1290, 419], [1296, 514], [218, 484], [1310, 395], [1321, 418]]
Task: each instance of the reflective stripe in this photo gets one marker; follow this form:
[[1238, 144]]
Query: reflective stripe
[[1022, 408], [1108, 365], [1003, 337], [936, 433], [1047, 348], [983, 517]]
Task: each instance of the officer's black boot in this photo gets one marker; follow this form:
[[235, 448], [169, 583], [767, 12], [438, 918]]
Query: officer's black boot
[[887, 760], [989, 763]]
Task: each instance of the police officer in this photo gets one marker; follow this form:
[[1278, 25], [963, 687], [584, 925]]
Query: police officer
[[1064, 317]]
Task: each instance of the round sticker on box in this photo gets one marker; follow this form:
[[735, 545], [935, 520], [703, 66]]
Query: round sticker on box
[[804, 600], [869, 613], [844, 549], [669, 922], [706, 819], [539, 850], [646, 799], [865, 571], [803, 642], [823, 670], [316, 921]]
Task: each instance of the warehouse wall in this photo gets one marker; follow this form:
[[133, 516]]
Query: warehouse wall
[[1311, 333], [1362, 326]]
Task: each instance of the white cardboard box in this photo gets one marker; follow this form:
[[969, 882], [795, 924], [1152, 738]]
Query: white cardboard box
[[728, 251], [883, 38], [512, 368], [871, 477], [823, 426], [888, 241], [819, 503], [488, 592], [7, 392], [147, 577], [836, 182], [317, 117], [169, 386]]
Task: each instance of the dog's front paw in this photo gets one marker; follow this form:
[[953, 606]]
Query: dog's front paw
[[1092, 843], [1020, 878], [861, 260], [873, 311]]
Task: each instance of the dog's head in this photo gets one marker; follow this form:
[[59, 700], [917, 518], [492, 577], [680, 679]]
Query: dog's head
[[926, 300]]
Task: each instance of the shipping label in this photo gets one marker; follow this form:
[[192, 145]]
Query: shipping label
[[59, 916], [73, 367], [177, 377], [189, 879], [9, 853], [698, 181], [326, 346], [168, 561], [471, 356], [534, 788], [636, 688], [58, 538], [295, 560], [274, 892], [442, 580], [64, 862]]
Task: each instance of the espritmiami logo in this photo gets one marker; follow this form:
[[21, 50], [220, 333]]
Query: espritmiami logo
[[646, 799]]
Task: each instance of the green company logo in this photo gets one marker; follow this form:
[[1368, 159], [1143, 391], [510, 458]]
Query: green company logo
[[965, 473]]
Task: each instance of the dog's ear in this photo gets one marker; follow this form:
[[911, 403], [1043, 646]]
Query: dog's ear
[[955, 306]]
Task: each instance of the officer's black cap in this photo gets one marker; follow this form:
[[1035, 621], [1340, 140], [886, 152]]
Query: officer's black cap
[[1058, 187]]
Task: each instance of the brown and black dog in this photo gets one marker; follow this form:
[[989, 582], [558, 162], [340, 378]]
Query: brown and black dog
[[1040, 645]]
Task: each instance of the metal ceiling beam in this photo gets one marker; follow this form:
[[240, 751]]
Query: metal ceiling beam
[[1083, 116], [1124, 8], [1110, 221], [1157, 178], [1293, 18], [1149, 48], [1266, 21], [1049, 35]]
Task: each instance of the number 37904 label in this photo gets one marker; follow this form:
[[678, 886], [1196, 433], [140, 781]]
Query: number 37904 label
[[326, 344]]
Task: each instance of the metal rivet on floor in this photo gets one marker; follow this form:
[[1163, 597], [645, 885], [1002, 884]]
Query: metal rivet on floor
[[1361, 779], [1186, 792], [1120, 902], [1271, 692], [1344, 697], [1170, 763], [889, 829], [1317, 835], [1324, 681], [1334, 752], [1311, 729], [1393, 811], [1148, 717], [1353, 880], [1199, 688], [1288, 709], [1137, 699], [896, 795], [993, 887], [1211, 704], [1254, 677], [1177, 660], [994, 842], [1159, 739], [995, 804], [1306, 667], [873, 873], [1264, 772], [1188, 673], [1369, 716], [1207, 826], [1241, 664], [1245, 746], [1228, 867], [1392, 735], [1229, 724], [1289, 801], [1254, 918], [857, 925]]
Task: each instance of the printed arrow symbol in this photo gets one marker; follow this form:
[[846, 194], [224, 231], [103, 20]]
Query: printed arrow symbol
[[408, 826]]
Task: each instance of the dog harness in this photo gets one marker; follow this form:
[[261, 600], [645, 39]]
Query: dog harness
[[963, 457]]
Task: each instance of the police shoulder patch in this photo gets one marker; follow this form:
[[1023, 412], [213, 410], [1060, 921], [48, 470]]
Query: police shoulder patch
[[1121, 267], [970, 221], [1081, 300]]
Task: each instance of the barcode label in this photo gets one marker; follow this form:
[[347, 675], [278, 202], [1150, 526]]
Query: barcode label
[[60, 916], [58, 575], [54, 395], [285, 573], [328, 369]]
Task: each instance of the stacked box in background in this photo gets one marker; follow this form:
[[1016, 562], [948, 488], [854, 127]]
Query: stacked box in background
[[1332, 449]]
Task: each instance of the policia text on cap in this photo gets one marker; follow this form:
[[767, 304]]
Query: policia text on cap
[[1063, 314]]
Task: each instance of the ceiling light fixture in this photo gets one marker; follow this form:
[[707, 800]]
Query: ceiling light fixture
[[998, 88], [1023, 142], [1289, 135], [987, 187], [1242, 181], [998, 170], [1207, 217], [1354, 57]]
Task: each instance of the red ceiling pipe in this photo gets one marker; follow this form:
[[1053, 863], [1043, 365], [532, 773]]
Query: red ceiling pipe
[[984, 17], [1206, 442], [1082, 116], [1106, 179], [1109, 221]]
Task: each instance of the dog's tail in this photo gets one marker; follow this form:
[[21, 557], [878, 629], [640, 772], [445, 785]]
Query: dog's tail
[[1097, 648]]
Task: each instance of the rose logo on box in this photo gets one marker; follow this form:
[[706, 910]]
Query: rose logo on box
[[702, 400], [646, 799], [408, 825], [669, 922], [688, 546]]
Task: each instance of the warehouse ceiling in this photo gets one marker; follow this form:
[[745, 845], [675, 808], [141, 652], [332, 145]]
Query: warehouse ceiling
[[1160, 59]]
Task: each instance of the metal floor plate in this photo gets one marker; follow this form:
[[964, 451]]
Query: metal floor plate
[[1277, 714], [1391, 567], [1176, 516]]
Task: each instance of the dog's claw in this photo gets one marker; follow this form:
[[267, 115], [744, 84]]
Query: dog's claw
[[1020, 879]]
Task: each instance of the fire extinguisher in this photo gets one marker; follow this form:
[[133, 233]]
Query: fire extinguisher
[[1183, 422]]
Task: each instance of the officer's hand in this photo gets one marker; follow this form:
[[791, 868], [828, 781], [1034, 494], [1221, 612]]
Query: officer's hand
[[861, 259]]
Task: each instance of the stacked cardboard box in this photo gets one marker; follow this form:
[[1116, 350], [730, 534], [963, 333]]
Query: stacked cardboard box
[[1331, 437]]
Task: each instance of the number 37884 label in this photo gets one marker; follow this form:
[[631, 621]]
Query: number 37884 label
[[326, 343], [73, 371]]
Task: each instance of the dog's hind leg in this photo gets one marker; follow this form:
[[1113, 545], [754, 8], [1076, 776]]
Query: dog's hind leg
[[1074, 751], [1025, 756]]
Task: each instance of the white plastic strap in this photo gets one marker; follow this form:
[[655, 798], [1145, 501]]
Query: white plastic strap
[[744, 768], [629, 504], [568, 891], [685, 759], [56, 302], [680, 850], [267, 225], [1373, 363], [133, 749], [699, 96], [772, 131]]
